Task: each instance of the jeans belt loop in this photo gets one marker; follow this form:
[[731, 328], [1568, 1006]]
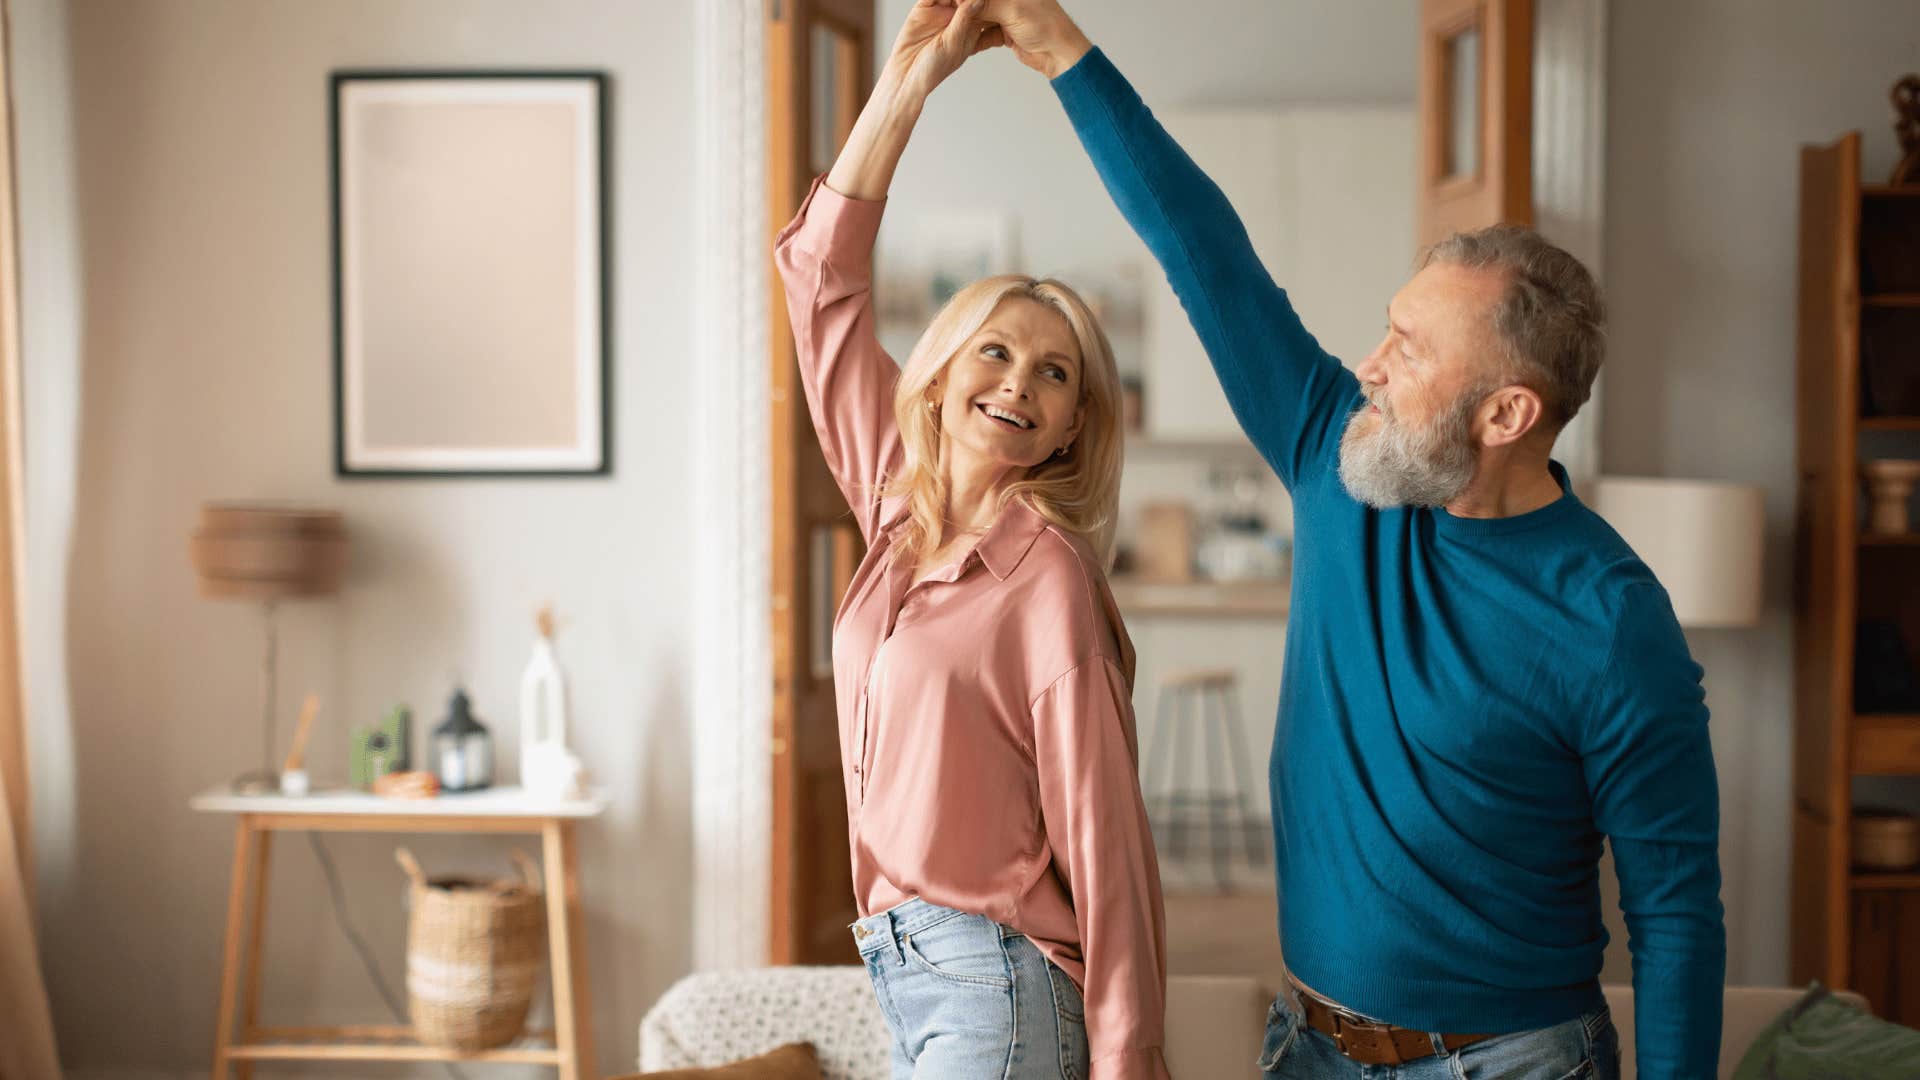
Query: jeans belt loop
[[893, 940]]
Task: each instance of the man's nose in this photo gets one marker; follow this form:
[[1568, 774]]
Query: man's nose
[[1373, 369]]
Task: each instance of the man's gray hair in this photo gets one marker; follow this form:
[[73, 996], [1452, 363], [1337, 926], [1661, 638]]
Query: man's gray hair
[[1550, 318]]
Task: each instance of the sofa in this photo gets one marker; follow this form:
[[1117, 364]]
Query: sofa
[[1214, 1023]]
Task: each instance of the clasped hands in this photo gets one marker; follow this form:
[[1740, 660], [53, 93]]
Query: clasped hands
[[939, 36]]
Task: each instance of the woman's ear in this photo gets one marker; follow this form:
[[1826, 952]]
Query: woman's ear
[[1079, 421]]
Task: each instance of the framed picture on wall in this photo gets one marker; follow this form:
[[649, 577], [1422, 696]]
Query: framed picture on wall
[[470, 286]]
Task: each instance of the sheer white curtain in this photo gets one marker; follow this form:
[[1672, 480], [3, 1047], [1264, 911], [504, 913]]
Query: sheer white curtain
[[27, 1052]]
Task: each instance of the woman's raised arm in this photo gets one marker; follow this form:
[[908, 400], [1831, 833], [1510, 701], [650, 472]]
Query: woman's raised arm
[[825, 259]]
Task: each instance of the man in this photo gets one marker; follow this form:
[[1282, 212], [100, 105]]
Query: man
[[1481, 681]]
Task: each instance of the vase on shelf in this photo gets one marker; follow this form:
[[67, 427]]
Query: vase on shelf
[[1890, 483]]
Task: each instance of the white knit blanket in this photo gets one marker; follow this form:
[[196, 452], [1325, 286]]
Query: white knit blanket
[[716, 1017]]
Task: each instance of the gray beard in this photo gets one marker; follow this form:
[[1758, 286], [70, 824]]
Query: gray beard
[[1395, 465]]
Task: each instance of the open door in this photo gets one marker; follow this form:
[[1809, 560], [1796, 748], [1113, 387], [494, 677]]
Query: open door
[[819, 70], [1476, 115]]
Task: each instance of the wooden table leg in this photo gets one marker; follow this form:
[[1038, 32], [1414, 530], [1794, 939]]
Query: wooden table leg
[[566, 932], [256, 931], [246, 842]]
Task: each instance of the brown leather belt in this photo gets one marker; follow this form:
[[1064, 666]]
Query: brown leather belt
[[1367, 1042]]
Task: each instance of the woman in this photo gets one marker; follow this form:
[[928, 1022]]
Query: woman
[[1001, 857]]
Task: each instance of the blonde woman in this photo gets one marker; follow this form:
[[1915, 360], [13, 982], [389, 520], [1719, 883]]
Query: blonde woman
[[1010, 898]]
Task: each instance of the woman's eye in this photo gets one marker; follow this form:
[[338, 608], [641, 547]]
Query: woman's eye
[[995, 351], [1056, 374]]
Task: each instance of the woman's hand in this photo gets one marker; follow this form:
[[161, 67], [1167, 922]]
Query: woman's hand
[[937, 38], [1039, 32]]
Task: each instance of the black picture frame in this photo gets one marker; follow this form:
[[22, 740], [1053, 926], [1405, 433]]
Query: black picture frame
[[595, 452]]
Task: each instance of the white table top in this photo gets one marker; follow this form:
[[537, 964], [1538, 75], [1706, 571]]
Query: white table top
[[487, 802]]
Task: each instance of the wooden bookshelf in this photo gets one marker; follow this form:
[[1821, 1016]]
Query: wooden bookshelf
[[1858, 288]]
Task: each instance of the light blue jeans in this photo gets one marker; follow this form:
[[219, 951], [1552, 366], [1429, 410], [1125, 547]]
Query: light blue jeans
[[1584, 1048], [969, 999]]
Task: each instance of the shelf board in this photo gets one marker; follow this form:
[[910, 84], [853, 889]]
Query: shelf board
[[1890, 423], [1890, 191], [381, 1042], [1886, 744], [1890, 539], [1152, 447], [1234, 599], [1890, 300], [1881, 879]]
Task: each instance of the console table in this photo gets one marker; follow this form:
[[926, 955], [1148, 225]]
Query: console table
[[241, 1040]]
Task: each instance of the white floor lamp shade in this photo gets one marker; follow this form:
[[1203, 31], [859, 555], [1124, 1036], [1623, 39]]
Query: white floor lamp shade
[[1702, 539]]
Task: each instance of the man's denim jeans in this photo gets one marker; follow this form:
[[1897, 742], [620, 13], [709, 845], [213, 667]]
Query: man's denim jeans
[[1584, 1048]]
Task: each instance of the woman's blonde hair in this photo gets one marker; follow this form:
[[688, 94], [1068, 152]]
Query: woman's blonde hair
[[1078, 491]]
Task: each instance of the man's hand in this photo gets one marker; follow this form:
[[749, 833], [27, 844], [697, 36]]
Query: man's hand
[[936, 39], [1037, 31]]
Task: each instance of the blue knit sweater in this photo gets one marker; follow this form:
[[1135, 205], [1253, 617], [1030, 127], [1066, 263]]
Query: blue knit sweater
[[1468, 706]]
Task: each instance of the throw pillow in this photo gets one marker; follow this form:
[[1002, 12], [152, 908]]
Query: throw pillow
[[1822, 1038], [795, 1061]]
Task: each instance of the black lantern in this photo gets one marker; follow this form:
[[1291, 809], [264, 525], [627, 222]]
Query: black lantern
[[462, 749]]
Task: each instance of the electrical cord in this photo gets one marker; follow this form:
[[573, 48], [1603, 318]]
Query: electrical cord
[[367, 959]]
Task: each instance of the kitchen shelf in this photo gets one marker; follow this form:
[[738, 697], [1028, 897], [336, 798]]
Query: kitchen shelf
[[1234, 599], [1151, 447], [1890, 300]]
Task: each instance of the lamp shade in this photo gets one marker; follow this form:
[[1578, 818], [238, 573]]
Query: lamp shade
[[268, 552], [1702, 540]]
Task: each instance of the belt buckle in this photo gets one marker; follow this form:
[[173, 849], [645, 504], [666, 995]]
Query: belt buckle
[[1379, 1041]]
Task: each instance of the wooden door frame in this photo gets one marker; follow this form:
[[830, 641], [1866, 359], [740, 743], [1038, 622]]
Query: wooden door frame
[[806, 837]]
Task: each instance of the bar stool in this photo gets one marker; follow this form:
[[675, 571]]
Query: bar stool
[[1185, 728]]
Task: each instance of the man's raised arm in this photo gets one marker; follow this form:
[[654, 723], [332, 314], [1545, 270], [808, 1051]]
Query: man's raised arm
[[1290, 397]]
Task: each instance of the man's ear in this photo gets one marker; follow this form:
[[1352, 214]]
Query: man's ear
[[1509, 414]]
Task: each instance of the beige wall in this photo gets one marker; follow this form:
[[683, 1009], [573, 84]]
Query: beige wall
[[174, 248], [199, 368], [1708, 103]]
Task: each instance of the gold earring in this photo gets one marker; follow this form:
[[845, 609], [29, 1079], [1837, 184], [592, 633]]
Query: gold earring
[[1062, 452]]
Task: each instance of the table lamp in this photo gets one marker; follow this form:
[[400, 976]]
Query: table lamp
[[268, 553], [1702, 539]]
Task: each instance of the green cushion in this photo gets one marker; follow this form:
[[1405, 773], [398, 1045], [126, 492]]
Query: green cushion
[[1823, 1038]]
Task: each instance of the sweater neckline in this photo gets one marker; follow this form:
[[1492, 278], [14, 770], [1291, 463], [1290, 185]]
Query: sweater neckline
[[1553, 512]]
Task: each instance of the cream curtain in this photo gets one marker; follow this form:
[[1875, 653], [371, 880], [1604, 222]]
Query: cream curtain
[[26, 1023]]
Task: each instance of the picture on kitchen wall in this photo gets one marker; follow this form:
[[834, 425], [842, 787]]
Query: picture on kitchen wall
[[470, 291]]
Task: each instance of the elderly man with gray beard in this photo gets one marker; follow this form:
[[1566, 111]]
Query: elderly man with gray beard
[[1482, 682]]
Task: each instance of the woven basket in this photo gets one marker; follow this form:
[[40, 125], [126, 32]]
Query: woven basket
[[474, 950]]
